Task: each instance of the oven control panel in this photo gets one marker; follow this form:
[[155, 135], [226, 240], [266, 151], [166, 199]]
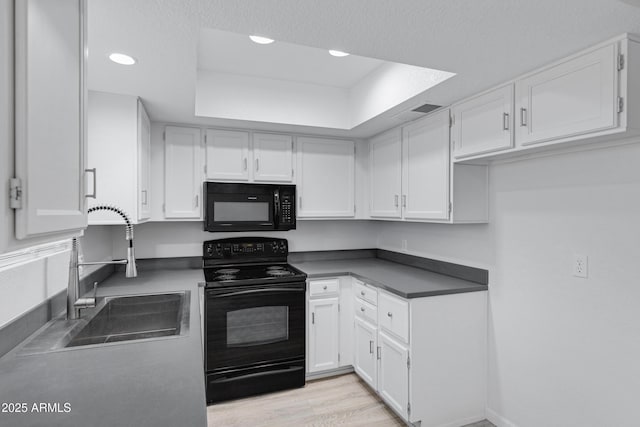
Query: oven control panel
[[247, 249]]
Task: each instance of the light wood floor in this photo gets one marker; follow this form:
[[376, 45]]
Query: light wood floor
[[343, 400]]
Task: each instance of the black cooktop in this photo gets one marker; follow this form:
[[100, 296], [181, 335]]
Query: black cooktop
[[238, 275]]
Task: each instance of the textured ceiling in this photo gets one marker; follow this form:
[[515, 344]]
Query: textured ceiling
[[485, 42]]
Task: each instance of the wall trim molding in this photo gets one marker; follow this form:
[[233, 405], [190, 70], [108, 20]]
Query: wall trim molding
[[498, 419], [33, 253]]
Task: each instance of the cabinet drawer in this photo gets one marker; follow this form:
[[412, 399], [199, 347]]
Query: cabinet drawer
[[324, 287], [366, 311], [365, 292], [394, 315]]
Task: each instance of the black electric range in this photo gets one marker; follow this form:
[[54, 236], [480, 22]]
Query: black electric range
[[254, 318]]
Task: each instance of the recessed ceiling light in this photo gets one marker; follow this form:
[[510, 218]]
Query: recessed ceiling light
[[122, 59], [261, 40], [338, 53]]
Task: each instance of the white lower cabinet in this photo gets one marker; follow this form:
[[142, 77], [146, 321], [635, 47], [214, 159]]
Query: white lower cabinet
[[329, 336], [425, 357], [364, 354], [323, 334], [393, 373]]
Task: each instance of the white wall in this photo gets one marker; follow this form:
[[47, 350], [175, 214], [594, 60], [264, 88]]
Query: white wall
[[388, 86], [563, 351], [232, 96], [178, 239]]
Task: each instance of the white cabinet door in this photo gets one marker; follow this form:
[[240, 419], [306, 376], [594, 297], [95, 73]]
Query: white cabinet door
[[326, 178], [183, 173], [425, 168], [227, 154], [324, 333], [364, 353], [272, 157], [386, 172], [50, 130], [144, 164], [575, 97], [119, 150], [483, 124], [393, 374]]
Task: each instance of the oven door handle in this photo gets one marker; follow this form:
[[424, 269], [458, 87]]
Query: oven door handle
[[255, 291]]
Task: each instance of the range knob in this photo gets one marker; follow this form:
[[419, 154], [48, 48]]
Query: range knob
[[274, 246]]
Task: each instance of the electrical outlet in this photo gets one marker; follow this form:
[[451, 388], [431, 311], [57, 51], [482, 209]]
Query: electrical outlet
[[580, 265], [404, 245]]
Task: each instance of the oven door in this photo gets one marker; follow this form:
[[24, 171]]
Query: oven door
[[254, 325]]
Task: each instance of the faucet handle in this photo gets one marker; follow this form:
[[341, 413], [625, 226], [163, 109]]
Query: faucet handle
[[95, 290]]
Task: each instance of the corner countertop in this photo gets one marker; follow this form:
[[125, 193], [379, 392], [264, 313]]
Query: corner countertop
[[399, 279], [150, 383]]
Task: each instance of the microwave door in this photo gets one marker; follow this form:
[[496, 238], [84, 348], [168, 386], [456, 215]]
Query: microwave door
[[241, 212]]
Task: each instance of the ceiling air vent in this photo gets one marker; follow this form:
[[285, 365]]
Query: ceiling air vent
[[415, 112]]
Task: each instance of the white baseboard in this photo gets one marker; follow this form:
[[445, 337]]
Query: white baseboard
[[498, 419], [326, 374]]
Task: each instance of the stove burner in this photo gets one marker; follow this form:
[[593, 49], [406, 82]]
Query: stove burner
[[225, 276], [275, 267], [227, 271], [279, 273]]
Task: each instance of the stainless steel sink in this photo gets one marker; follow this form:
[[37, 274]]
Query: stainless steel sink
[[117, 320], [137, 317]]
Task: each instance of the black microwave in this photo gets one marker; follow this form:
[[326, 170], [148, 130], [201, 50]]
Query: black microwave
[[249, 207]]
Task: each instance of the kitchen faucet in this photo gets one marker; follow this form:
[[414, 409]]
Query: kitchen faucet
[[74, 305]]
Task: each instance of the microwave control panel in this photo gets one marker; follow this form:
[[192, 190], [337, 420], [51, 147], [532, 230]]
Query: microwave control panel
[[287, 209]]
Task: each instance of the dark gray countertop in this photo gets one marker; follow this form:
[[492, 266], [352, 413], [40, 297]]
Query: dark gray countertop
[[151, 383], [399, 279]]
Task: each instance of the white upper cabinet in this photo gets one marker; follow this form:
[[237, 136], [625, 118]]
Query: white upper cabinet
[[183, 173], [326, 178], [144, 164], [572, 98], [272, 157], [119, 150], [425, 168], [227, 154], [385, 178], [483, 124], [244, 157], [50, 131]]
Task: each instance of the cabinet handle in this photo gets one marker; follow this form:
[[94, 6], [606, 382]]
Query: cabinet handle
[[505, 121], [362, 309], [370, 347], [300, 202], [144, 197], [396, 200], [362, 293], [378, 353], [404, 200], [245, 163], [324, 287], [390, 314], [313, 318], [257, 165], [523, 117], [95, 178], [197, 200]]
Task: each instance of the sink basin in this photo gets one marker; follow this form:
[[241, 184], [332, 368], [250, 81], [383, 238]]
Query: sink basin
[[127, 318], [116, 320]]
